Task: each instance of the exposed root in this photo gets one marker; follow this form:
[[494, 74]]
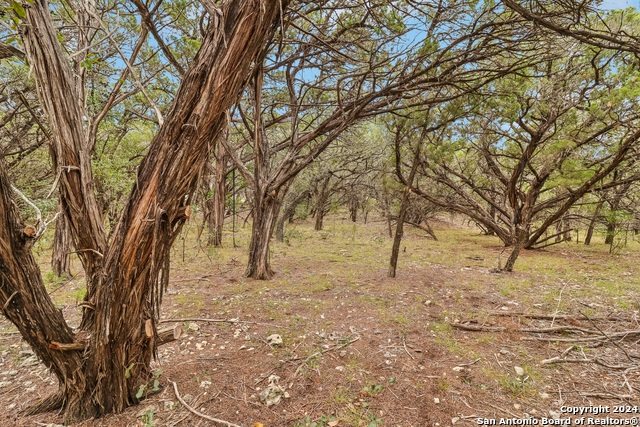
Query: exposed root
[[50, 403]]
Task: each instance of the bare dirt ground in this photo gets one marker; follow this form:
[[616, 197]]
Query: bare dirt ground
[[446, 342]]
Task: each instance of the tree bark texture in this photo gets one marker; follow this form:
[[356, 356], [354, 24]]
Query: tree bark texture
[[218, 201], [265, 215], [61, 257], [126, 279]]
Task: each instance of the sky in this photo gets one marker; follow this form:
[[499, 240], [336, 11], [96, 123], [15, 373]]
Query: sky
[[620, 4]]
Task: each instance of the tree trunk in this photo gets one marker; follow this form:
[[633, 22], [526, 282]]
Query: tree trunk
[[61, 257], [611, 231], [393, 262], [288, 213], [126, 280], [320, 211], [264, 221], [592, 224], [353, 209], [321, 202], [521, 238], [218, 204]]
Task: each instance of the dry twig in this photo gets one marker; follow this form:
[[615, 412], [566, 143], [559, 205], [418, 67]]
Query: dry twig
[[226, 423]]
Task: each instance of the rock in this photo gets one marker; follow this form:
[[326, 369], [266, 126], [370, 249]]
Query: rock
[[515, 405], [455, 420], [554, 414], [194, 326], [503, 351], [168, 405], [273, 394], [543, 395], [187, 398], [436, 400], [30, 361], [274, 339], [458, 368], [237, 333], [519, 370], [343, 353], [377, 332], [340, 368]]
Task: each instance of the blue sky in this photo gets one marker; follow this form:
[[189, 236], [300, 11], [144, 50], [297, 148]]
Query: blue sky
[[620, 4]]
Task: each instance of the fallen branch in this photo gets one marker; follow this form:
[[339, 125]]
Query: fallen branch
[[608, 395], [594, 360], [320, 352], [193, 411], [216, 321], [529, 330], [549, 316]]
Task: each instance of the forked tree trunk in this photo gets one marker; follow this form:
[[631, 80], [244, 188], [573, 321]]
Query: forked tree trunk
[[393, 262], [101, 369], [61, 255]]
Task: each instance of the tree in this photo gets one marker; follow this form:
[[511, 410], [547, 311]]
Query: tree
[[101, 368], [365, 65]]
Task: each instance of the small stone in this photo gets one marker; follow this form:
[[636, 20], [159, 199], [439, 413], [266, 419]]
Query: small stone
[[503, 351], [30, 361], [436, 400], [377, 332], [455, 420], [428, 302], [515, 405], [554, 414], [343, 353], [519, 370], [187, 398], [274, 339], [340, 368], [458, 368], [286, 395], [543, 395], [242, 347], [194, 326], [222, 347], [168, 405]]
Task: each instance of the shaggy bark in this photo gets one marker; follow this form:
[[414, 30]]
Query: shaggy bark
[[126, 279], [61, 257], [217, 203]]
